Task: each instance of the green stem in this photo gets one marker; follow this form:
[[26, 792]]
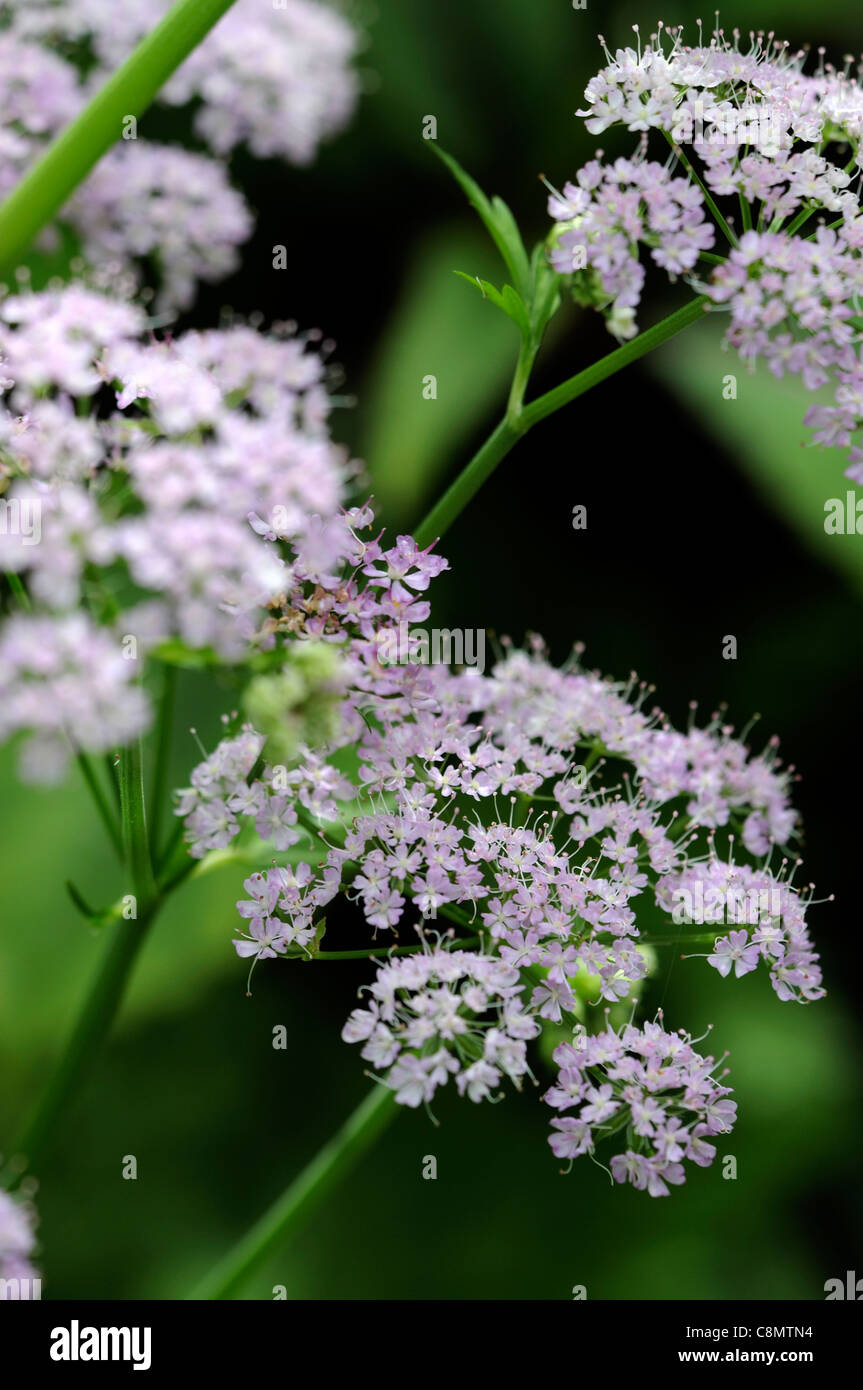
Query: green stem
[[164, 730], [613, 362], [93, 1025], [101, 802], [510, 430], [708, 197], [18, 590], [105, 996], [128, 92], [526, 358], [467, 484], [136, 844], [794, 226], [388, 951], [684, 939], [282, 1219]]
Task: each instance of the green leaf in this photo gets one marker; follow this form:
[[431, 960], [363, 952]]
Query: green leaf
[[95, 917], [506, 299], [546, 298], [311, 950], [498, 220], [513, 305]]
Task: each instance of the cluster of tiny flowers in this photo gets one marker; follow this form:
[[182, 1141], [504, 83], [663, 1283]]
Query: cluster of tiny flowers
[[176, 486], [769, 915], [776, 285], [604, 804], [655, 1085], [442, 1013], [762, 132], [164, 207], [322, 604], [16, 1245], [609, 212], [64, 678], [554, 890], [714, 92], [145, 207], [275, 75]]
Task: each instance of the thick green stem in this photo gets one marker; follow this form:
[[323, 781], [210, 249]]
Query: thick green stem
[[283, 1218], [95, 1022], [467, 484], [133, 813], [524, 367], [128, 92], [518, 422], [107, 992]]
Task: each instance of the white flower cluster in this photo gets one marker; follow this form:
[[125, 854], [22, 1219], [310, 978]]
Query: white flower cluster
[[276, 77], [152, 492]]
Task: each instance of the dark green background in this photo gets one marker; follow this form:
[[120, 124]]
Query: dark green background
[[705, 518]]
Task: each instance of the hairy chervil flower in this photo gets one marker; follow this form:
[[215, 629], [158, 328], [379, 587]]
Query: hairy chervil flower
[[773, 154], [545, 813], [769, 917], [169, 207], [16, 1245], [274, 76], [650, 1082], [444, 1013], [63, 679], [157, 493], [607, 214]]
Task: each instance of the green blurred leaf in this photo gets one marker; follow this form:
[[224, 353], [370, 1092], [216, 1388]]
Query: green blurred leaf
[[437, 330], [763, 429]]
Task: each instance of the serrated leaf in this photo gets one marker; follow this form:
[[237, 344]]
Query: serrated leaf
[[506, 299], [498, 220], [513, 305]]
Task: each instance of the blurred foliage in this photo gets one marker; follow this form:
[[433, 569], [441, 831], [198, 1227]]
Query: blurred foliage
[[681, 548], [763, 428], [451, 335]]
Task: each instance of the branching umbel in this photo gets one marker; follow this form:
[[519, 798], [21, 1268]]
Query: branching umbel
[[521, 843]]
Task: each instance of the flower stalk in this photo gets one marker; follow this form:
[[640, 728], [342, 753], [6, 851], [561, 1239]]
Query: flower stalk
[[337, 1157], [40, 195], [518, 421]]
